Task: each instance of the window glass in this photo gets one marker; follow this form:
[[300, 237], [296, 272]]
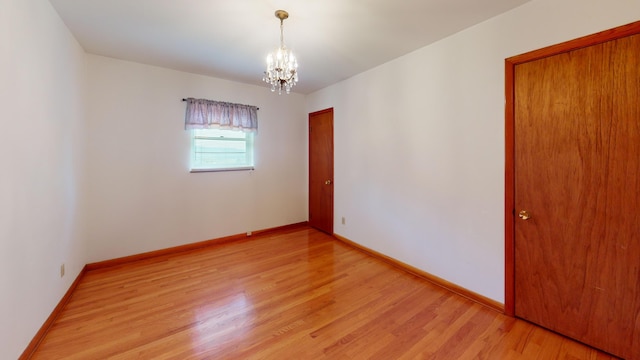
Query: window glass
[[217, 149]]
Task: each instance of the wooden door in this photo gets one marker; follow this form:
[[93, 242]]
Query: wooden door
[[577, 194], [321, 170]]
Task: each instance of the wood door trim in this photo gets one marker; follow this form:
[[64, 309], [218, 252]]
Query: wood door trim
[[510, 64], [329, 110]]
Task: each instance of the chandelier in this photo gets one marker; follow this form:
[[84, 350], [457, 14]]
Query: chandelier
[[282, 66]]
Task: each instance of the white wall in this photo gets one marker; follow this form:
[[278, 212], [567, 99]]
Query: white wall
[[142, 195], [42, 167], [419, 141]]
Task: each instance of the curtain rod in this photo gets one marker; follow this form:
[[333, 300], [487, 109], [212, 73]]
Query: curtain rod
[[257, 108]]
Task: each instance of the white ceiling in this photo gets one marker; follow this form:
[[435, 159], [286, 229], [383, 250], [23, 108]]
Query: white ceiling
[[332, 39]]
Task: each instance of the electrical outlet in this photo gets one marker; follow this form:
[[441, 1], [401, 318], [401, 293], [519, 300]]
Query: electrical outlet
[[249, 233], [62, 270], [343, 220]]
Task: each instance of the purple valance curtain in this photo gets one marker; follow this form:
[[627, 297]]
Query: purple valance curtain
[[206, 114]]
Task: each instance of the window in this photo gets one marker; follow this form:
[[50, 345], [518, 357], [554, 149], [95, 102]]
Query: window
[[221, 134], [221, 149]]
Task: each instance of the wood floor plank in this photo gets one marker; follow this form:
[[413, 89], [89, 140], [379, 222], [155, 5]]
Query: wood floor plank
[[298, 294]]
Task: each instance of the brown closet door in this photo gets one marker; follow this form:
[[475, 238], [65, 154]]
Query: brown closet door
[[577, 177], [321, 170]]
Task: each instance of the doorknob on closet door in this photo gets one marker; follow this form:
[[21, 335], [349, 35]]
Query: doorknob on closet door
[[524, 215], [328, 182]]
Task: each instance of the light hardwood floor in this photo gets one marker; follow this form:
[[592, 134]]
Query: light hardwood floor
[[296, 294]]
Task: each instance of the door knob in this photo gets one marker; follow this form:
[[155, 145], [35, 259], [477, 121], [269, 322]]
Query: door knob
[[328, 182], [524, 215]]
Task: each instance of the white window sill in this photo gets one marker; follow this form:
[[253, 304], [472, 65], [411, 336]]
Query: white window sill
[[245, 168]]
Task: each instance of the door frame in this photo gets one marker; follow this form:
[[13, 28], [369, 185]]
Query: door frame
[[509, 198], [328, 110]]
